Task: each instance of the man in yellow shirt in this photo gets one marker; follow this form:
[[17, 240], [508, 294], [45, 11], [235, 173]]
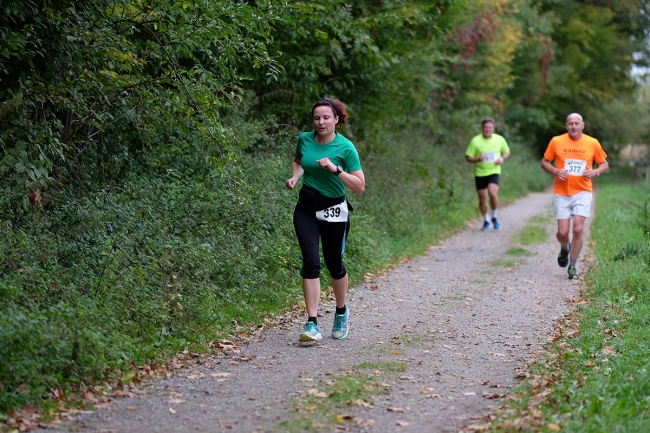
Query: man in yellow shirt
[[574, 154], [488, 151]]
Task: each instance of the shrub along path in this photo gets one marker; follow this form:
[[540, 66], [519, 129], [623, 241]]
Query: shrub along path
[[435, 345]]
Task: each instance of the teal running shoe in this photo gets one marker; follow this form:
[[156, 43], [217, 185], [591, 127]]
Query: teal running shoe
[[573, 274], [311, 332], [340, 328]]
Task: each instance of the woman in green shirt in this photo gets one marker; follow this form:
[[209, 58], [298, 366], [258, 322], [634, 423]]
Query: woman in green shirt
[[329, 163]]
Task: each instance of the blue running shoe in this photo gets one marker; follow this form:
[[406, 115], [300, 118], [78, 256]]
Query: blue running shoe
[[486, 225], [340, 328], [311, 332], [495, 223]]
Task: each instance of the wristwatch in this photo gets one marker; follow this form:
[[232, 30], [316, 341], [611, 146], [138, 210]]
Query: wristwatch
[[339, 170]]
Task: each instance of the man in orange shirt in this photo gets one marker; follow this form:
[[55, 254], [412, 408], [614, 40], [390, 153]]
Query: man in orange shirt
[[574, 154]]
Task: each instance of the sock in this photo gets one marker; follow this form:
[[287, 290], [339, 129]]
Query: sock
[[572, 262], [494, 213], [313, 319], [566, 248], [486, 217], [341, 310]]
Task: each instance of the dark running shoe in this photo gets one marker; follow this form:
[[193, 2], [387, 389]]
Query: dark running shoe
[[573, 274], [563, 257], [495, 223], [486, 226]]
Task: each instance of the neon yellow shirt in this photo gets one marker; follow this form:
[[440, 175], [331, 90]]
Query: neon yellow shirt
[[493, 148]]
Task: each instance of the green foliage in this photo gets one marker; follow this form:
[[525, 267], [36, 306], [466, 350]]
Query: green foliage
[[100, 80]]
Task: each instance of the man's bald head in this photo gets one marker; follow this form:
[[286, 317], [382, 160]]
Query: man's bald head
[[575, 125], [574, 116]]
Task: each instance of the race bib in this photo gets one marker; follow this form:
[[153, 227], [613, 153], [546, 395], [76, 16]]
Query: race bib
[[575, 167], [490, 156], [334, 214]]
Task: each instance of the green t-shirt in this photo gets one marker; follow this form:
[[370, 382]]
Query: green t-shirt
[[340, 151], [493, 147]]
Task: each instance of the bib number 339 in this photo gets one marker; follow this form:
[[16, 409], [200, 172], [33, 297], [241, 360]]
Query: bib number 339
[[334, 214]]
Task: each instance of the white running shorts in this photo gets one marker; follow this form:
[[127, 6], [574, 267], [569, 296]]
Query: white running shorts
[[564, 207]]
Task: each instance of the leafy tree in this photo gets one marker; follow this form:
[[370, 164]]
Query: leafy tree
[[91, 84]]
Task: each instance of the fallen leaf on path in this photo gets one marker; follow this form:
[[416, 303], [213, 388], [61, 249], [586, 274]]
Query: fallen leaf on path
[[395, 409], [361, 403], [554, 427], [403, 423], [131, 408], [318, 394], [341, 418], [175, 401], [367, 423], [195, 376], [477, 428], [573, 332], [171, 410]]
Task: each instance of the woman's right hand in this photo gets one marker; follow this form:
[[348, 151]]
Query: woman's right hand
[[292, 182]]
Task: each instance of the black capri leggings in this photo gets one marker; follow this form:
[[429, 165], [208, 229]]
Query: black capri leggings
[[333, 235]]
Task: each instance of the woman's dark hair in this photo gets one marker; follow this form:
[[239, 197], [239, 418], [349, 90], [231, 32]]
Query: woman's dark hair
[[337, 107]]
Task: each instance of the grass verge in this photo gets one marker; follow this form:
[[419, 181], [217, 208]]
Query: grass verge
[[595, 375], [328, 406]]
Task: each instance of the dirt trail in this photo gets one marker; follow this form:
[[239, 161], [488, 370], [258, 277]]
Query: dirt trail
[[462, 320]]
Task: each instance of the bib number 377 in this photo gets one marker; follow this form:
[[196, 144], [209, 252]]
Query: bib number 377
[[334, 214], [575, 167]]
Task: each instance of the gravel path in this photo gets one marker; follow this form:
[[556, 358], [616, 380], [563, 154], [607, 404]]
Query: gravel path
[[462, 319]]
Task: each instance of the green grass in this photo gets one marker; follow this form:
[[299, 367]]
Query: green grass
[[505, 263], [325, 407], [597, 374], [518, 252], [531, 234]]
